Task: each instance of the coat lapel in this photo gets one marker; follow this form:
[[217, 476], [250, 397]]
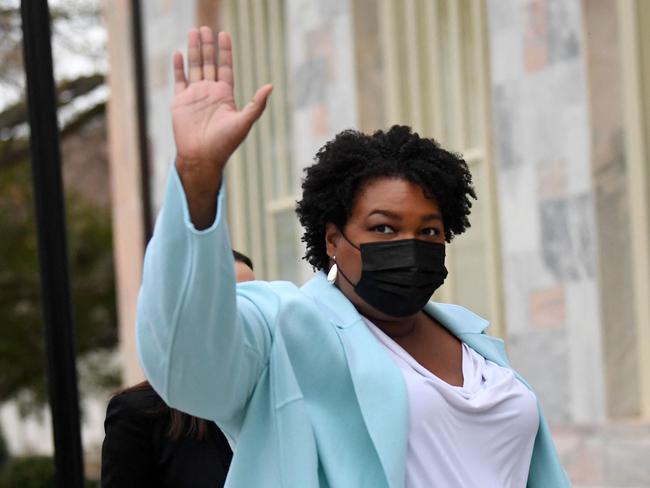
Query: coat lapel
[[378, 384], [382, 397], [469, 328]]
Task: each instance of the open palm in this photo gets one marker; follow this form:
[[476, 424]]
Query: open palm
[[208, 127]]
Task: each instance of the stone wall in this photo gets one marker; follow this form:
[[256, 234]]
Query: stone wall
[[561, 183], [322, 84], [322, 76], [546, 203], [561, 173]]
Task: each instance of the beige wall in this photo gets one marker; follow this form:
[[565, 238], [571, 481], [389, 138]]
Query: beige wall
[[124, 156], [609, 170], [125, 171]]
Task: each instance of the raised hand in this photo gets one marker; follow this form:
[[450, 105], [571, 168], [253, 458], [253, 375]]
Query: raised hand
[[208, 127]]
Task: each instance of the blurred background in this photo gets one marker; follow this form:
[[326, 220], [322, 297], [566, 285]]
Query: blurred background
[[548, 101]]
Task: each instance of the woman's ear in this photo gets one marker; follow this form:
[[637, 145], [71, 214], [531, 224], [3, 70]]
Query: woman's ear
[[332, 236]]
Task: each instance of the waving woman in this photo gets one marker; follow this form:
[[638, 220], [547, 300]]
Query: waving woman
[[355, 379]]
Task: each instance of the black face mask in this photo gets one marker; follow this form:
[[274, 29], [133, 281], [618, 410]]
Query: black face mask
[[399, 277]]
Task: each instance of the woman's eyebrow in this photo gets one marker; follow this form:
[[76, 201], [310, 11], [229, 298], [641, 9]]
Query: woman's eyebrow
[[385, 213], [397, 217]]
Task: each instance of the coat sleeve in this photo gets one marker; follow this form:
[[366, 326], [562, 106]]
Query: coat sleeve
[[201, 346]]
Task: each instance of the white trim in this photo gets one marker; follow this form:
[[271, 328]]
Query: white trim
[[279, 205], [260, 171], [638, 186]]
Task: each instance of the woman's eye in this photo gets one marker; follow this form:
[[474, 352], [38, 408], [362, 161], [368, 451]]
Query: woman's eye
[[430, 232], [383, 229]]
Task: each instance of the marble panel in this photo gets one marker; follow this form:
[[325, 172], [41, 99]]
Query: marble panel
[[547, 307], [508, 64], [502, 15], [552, 180], [323, 83], [576, 148], [564, 24], [536, 51], [567, 243], [332, 8], [515, 291], [541, 356], [506, 125], [586, 366], [519, 219], [310, 81], [165, 26]]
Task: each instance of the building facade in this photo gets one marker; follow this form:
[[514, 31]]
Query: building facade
[[549, 103]]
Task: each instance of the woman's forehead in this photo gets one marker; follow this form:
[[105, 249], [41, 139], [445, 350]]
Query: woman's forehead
[[393, 195]]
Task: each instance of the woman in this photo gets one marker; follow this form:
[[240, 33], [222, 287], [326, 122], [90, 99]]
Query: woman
[[147, 443], [354, 379]]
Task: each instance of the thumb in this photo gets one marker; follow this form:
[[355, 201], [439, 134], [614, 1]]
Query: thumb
[[253, 109]]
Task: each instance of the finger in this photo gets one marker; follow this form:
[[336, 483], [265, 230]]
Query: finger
[[194, 55], [207, 52], [180, 83], [252, 111], [225, 71]]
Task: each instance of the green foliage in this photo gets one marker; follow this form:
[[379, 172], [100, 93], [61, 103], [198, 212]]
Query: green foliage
[[32, 472], [92, 285], [28, 472], [22, 355]]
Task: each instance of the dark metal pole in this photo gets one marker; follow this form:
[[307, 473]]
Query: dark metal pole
[[52, 243], [141, 101]]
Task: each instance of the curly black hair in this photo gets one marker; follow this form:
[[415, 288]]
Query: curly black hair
[[344, 165]]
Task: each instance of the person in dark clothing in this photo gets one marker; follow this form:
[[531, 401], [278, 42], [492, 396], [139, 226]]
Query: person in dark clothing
[[149, 444], [140, 450]]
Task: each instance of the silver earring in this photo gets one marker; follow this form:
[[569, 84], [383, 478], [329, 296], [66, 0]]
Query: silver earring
[[333, 272]]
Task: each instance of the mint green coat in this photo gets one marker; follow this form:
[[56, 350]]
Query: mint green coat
[[291, 374]]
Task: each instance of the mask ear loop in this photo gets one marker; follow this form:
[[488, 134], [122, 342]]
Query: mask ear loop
[[337, 268], [349, 241]]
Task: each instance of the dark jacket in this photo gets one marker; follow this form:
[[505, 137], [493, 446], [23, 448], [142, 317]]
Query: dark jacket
[[139, 452]]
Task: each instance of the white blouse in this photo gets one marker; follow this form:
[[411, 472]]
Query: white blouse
[[480, 434]]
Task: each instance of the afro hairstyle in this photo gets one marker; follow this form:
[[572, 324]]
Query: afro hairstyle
[[344, 165]]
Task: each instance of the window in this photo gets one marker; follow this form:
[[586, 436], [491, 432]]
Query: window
[[262, 196], [436, 80]]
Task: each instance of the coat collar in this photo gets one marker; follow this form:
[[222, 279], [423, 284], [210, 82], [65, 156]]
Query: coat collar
[[378, 384], [340, 310], [375, 377], [343, 314]]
